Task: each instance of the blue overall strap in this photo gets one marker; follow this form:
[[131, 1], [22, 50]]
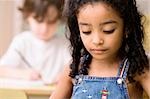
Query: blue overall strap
[[124, 69]]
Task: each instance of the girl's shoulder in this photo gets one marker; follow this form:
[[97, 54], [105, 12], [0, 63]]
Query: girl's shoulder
[[64, 86], [144, 80], [146, 74]]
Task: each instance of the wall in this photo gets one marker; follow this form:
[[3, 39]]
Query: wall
[[10, 22], [6, 26], [144, 7]]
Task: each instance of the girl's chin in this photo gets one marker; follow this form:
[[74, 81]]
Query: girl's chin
[[100, 56]]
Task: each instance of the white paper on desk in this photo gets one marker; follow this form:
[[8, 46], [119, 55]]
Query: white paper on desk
[[7, 82]]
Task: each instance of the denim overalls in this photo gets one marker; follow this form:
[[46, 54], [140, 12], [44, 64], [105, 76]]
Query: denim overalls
[[90, 87]]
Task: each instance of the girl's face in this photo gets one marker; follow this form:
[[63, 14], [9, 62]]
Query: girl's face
[[44, 30], [101, 30]]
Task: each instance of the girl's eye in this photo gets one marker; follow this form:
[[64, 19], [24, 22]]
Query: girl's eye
[[109, 31], [86, 32]]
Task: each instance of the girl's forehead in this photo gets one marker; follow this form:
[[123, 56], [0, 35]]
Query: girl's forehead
[[97, 8], [94, 5], [98, 14]]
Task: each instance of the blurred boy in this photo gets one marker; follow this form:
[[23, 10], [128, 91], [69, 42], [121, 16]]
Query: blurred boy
[[39, 53]]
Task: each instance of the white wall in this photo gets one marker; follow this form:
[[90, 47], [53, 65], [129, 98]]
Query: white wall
[[144, 6], [5, 24], [17, 17], [10, 22]]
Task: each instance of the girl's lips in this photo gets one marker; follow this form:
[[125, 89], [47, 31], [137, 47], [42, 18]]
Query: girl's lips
[[98, 51]]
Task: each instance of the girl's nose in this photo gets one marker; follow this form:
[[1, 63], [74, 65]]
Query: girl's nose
[[97, 40]]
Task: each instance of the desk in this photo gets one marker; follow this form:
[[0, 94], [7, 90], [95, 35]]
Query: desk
[[34, 90], [41, 92]]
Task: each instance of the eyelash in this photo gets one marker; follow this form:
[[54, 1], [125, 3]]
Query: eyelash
[[87, 32], [105, 31], [109, 31]]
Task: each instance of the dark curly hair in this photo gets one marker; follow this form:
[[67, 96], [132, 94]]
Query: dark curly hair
[[131, 48]]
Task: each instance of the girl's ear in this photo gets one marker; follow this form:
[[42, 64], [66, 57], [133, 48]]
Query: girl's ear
[[126, 33], [126, 42], [79, 38]]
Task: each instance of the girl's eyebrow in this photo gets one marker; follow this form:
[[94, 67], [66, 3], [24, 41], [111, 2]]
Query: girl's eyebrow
[[103, 23], [108, 22]]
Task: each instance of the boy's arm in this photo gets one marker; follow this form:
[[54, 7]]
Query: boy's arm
[[64, 87], [11, 62], [18, 73]]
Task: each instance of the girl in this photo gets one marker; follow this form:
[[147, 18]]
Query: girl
[[108, 59]]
